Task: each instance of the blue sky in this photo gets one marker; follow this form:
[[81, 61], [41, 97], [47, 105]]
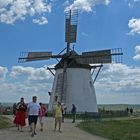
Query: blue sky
[[38, 25]]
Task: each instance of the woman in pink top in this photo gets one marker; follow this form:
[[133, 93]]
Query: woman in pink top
[[42, 112]]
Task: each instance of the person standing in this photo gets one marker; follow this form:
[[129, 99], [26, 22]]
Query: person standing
[[33, 112], [20, 114], [63, 111], [42, 112], [14, 109], [73, 111], [58, 116], [131, 111]]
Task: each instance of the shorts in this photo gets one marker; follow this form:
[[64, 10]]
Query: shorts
[[32, 119]]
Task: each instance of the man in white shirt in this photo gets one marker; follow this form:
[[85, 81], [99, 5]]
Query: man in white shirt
[[33, 112]]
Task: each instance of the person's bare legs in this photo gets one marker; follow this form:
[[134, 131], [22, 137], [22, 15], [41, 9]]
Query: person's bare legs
[[33, 126], [41, 123], [60, 120], [21, 128], [41, 126], [30, 128], [17, 127], [55, 125]]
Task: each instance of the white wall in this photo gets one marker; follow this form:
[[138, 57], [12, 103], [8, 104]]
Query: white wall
[[80, 90]]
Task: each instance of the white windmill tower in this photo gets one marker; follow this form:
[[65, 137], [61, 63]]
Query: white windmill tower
[[73, 83]]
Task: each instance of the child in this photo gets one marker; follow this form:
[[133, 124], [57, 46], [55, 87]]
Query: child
[[42, 112]]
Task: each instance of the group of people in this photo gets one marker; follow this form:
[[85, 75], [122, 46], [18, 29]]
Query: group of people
[[34, 111], [129, 110]]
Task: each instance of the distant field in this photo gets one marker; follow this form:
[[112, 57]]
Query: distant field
[[119, 107], [113, 129]]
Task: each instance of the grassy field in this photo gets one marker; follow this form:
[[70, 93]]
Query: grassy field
[[114, 129], [4, 122]]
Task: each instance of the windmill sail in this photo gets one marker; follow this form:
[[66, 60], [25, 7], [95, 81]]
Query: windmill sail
[[34, 56], [102, 56], [71, 26]]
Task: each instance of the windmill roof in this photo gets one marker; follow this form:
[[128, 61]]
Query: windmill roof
[[71, 62]]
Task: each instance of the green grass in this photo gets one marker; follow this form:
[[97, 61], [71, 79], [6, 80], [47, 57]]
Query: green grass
[[113, 129], [5, 122]]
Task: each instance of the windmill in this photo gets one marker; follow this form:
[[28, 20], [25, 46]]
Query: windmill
[[73, 78]]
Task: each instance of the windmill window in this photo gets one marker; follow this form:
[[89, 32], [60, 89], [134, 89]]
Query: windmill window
[[91, 83]]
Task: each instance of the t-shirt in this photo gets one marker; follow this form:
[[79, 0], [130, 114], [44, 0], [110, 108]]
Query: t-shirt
[[42, 111], [33, 108], [58, 111], [73, 111]]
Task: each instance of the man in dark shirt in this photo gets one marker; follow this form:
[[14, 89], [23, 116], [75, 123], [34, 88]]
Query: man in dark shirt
[[73, 111]]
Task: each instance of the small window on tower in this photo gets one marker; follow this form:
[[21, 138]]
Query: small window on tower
[[91, 83]]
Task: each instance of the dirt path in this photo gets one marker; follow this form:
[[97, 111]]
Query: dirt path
[[69, 132]]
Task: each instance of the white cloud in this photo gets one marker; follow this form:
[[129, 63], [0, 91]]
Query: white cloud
[[41, 21], [134, 25], [137, 52], [130, 5], [119, 78], [13, 10], [25, 82], [5, 2], [66, 3], [84, 34], [3, 72], [12, 91], [86, 5], [41, 6], [32, 74], [136, 0], [115, 81]]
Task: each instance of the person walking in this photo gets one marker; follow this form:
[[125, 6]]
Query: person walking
[[42, 112], [33, 113], [58, 116], [63, 111], [131, 111], [20, 114], [73, 111]]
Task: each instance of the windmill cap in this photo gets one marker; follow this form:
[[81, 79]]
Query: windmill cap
[[71, 63]]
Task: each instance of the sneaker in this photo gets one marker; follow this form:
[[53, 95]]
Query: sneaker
[[60, 131], [35, 133]]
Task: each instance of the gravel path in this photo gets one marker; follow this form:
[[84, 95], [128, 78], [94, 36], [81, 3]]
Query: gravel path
[[69, 132]]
